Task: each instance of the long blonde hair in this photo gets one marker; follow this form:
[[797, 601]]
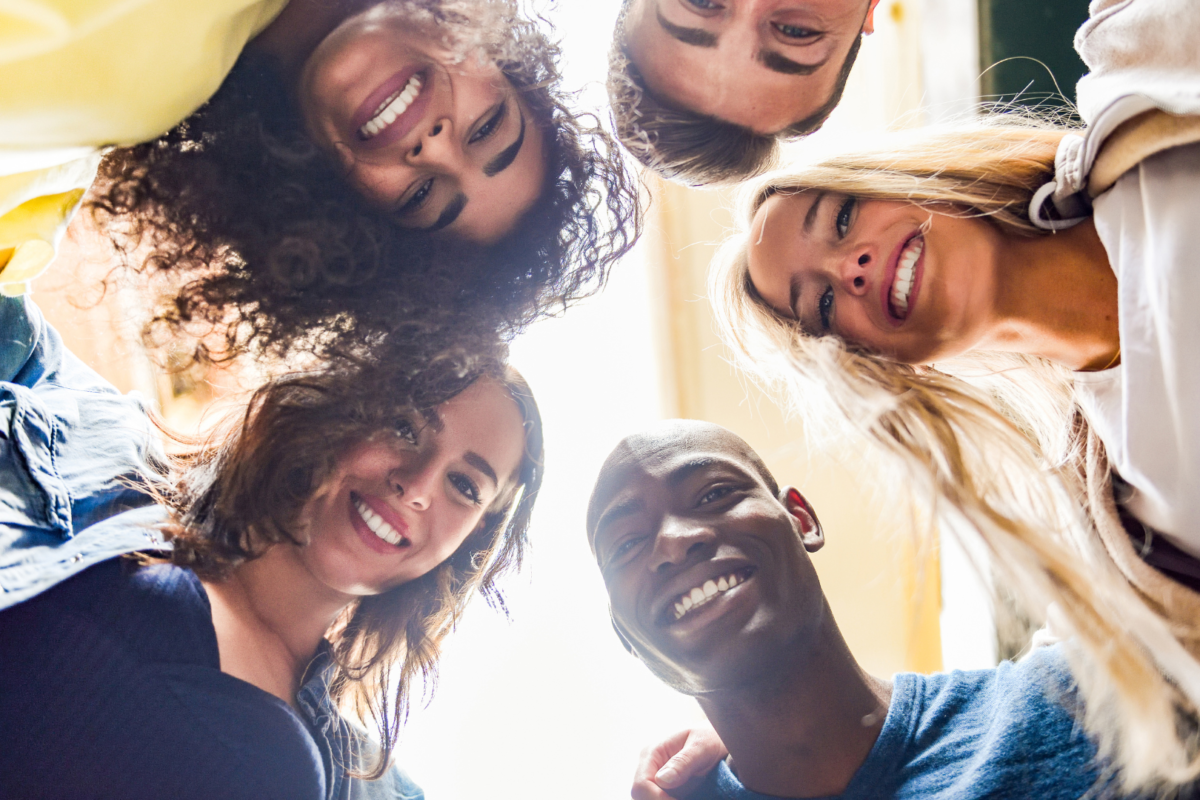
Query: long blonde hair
[[994, 441]]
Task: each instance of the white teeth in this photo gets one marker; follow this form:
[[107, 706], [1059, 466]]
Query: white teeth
[[703, 593], [905, 270], [377, 525], [391, 109]]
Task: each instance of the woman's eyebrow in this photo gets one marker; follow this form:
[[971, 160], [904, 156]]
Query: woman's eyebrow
[[811, 216], [480, 463], [508, 155]]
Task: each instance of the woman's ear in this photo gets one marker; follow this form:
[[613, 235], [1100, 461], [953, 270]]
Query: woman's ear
[[797, 505]]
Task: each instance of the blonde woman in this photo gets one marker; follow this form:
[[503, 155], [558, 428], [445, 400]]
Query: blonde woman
[[856, 276]]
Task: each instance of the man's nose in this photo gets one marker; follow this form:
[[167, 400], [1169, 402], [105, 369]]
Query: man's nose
[[437, 147], [678, 539]]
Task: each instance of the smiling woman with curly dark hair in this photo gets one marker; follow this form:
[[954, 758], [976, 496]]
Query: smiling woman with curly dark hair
[[364, 160]]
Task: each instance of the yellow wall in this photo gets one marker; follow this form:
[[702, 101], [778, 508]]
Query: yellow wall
[[883, 588], [883, 593]]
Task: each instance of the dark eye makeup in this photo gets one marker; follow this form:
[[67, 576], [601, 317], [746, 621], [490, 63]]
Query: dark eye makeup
[[466, 487], [417, 200], [487, 129]]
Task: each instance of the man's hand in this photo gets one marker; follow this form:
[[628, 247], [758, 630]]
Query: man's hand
[[673, 764]]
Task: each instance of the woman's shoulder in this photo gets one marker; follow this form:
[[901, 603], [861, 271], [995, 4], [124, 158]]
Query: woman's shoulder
[[156, 613], [125, 657]]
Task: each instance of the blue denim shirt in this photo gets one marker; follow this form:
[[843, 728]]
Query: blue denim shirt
[[71, 448], [72, 451]]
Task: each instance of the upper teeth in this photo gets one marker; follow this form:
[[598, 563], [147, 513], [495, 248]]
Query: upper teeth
[[902, 285], [392, 108], [705, 592], [376, 523]]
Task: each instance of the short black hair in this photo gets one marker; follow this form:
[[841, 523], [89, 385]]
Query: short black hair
[[697, 149]]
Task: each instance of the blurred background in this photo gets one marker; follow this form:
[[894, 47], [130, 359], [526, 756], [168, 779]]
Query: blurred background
[[547, 703]]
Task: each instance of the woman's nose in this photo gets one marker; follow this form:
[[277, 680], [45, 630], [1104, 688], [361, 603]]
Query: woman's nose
[[855, 272], [437, 146], [414, 488]]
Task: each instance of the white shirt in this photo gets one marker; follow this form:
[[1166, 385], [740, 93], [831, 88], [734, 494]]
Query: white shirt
[[1147, 410]]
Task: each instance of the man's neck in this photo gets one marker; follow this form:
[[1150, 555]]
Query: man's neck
[[806, 730]]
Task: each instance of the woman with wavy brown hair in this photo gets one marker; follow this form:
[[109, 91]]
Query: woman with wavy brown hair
[[352, 147], [295, 573]]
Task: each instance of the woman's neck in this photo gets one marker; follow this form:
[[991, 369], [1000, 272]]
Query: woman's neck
[[300, 27], [1057, 299], [270, 617]]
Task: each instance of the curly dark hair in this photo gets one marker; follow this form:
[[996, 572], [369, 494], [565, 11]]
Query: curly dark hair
[[241, 491], [259, 234]]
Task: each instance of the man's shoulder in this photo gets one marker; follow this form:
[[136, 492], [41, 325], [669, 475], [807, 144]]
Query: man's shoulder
[[997, 732]]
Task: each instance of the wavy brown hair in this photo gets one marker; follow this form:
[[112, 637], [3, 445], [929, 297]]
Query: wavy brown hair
[[242, 493], [260, 236]]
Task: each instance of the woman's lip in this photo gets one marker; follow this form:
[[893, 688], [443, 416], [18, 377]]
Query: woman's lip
[[404, 123], [367, 535], [889, 277], [375, 99], [380, 507]]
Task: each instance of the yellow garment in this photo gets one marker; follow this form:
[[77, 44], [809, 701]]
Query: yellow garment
[[76, 75]]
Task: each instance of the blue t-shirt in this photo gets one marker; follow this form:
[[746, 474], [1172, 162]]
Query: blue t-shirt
[[996, 733]]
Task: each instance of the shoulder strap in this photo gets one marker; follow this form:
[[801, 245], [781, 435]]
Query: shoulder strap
[[1135, 140]]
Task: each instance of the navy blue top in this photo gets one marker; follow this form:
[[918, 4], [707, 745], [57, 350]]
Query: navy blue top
[[112, 688], [997, 733]]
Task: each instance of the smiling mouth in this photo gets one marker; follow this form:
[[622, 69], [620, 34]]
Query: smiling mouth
[[902, 283], [377, 524], [697, 597], [391, 109]]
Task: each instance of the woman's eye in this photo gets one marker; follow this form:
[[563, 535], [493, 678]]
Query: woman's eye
[[466, 487], [795, 31], [418, 198], [825, 307], [491, 126], [703, 5], [405, 430], [714, 494], [845, 217]]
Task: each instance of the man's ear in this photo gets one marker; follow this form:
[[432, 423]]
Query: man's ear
[[810, 527], [869, 22]]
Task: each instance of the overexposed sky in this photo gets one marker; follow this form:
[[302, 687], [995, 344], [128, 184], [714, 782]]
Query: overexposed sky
[[549, 704]]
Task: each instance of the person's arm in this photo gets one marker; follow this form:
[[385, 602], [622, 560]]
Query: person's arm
[[676, 762]]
